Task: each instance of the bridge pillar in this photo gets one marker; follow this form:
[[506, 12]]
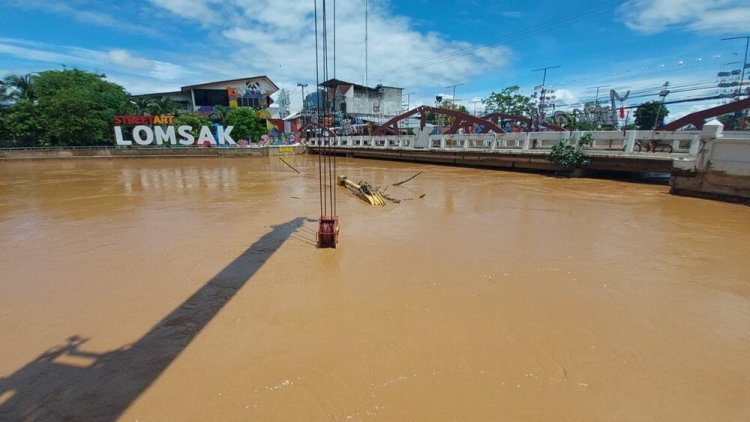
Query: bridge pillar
[[695, 144], [527, 141], [629, 141]]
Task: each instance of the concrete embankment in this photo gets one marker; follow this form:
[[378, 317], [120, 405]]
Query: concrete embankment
[[719, 170], [114, 152]]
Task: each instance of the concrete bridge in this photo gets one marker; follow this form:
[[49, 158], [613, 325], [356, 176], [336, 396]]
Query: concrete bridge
[[689, 163], [608, 151]]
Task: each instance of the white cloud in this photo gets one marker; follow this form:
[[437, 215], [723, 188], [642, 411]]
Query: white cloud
[[265, 38], [135, 73], [126, 60], [651, 16], [83, 13], [200, 10]]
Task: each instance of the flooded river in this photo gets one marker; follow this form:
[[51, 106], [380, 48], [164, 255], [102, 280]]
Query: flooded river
[[190, 289]]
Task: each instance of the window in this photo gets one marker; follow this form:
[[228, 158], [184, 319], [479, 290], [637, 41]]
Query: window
[[211, 97]]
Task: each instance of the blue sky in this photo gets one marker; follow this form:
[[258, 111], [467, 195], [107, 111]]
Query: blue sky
[[422, 46]]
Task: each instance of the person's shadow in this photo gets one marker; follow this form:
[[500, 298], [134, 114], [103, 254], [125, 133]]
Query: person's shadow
[[100, 387]]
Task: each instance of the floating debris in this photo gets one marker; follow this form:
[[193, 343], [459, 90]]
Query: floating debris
[[363, 190], [404, 181]]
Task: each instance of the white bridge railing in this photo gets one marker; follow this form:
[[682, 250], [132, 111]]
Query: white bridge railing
[[683, 142]]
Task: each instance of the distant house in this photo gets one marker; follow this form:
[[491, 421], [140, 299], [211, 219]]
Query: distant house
[[358, 100], [252, 92]]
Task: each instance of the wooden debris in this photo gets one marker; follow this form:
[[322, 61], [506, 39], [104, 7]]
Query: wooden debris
[[404, 181], [290, 166]]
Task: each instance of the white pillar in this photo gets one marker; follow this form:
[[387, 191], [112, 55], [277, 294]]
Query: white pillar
[[629, 141], [695, 145], [527, 141]]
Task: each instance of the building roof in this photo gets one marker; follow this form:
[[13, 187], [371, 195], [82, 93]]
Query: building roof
[[188, 87], [332, 83], [154, 94]]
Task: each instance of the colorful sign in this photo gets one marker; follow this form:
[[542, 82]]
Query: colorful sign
[[148, 130]]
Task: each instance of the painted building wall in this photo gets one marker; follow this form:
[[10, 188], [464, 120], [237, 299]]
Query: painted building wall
[[241, 93]]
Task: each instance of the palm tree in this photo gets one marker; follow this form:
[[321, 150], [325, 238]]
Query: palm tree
[[20, 87], [164, 105], [141, 104], [3, 92]]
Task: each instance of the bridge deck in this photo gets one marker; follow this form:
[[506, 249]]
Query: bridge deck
[[535, 159]]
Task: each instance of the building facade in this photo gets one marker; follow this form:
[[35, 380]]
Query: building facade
[[358, 100], [252, 92]]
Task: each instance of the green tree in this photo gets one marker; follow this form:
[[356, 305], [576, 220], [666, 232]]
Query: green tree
[[508, 101], [78, 107], [219, 114], [141, 104], [646, 115], [450, 105], [194, 120], [23, 122], [246, 124], [4, 94], [20, 87], [163, 105]]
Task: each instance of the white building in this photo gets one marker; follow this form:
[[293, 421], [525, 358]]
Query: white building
[[359, 100]]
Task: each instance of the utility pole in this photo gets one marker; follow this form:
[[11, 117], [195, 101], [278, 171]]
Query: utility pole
[[544, 78], [663, 94], [744, 62], [301, 85], [408, 98], [454, 91], [475, 106], [542, 104], [597, 92]]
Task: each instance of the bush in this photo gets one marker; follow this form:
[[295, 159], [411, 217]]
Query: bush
[[567, 156], [190, 118], [247, 126]]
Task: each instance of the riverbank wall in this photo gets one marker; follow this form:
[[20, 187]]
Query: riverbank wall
[[719, 168]]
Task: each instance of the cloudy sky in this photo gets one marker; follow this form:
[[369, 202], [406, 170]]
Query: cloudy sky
[[422, 46]]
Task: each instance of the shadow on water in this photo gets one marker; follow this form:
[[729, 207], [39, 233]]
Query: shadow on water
[[67, 383]]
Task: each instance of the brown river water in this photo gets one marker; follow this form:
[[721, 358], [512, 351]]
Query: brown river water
[[191, 289]]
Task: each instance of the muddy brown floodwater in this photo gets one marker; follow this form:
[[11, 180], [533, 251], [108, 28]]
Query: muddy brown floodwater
[[190, 289]]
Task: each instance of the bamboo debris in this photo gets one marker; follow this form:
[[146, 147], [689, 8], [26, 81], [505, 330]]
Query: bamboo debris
[[290, 166], [404, 181]]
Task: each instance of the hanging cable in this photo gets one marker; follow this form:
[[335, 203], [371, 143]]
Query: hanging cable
[[317, 107]]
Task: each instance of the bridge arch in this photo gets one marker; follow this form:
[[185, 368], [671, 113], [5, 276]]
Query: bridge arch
[[460, 120], [699, 117]]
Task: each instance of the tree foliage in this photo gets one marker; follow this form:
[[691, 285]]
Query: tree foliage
[[508, 101], [246, 124], [163, 105], [19, 87], [78, 107], [646, 115], [450, 105], [568, 156], [194, 120], [24, 126]]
